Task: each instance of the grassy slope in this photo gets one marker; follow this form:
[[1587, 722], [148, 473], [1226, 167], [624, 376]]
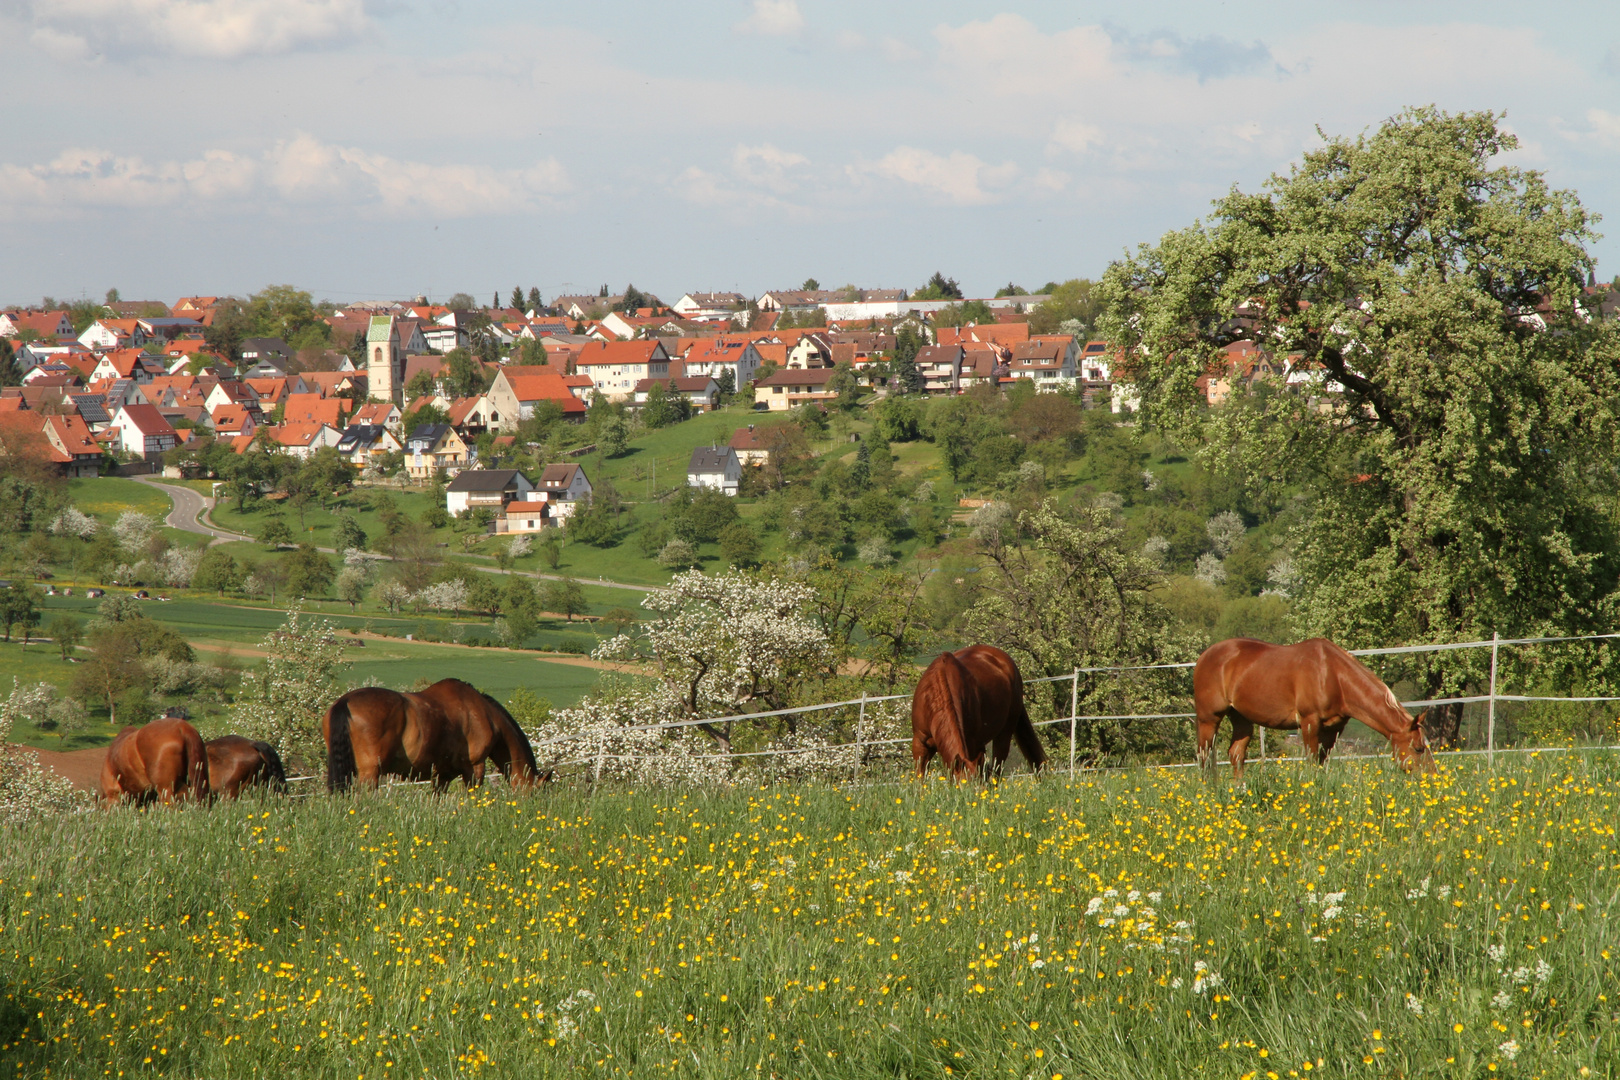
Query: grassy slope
[[1138, 924]]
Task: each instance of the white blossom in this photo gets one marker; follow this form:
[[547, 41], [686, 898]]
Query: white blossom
[[72, 522], [444, 596], [304, 671], [1414, 1005], [1497, 953], [133, 529], [519, 546], [1501, 1000], [1510, 1049]]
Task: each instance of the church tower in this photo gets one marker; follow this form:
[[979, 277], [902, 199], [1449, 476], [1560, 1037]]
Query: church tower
[[385, 364]]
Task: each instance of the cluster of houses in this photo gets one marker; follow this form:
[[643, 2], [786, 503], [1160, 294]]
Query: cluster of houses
[[142, 380]]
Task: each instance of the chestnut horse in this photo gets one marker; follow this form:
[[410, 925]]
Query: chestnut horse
[[445, 731], [235, 763], [965, 701], [160, 761], [1314, 687]]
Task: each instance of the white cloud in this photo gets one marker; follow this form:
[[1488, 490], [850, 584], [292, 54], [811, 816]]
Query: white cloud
[[301, 170], [1074, 135], [959, 178], [767, 166], [773, 18], [1009, 55], [221, 29], [1605, 128]]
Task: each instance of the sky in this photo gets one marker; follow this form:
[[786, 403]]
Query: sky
[[380, 149]]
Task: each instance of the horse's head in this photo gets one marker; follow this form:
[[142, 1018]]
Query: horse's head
[[1411, 748]]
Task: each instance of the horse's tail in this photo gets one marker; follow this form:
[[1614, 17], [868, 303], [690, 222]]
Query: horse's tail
[[196, 764], [1029, 743], [277, 776], [340, 767]]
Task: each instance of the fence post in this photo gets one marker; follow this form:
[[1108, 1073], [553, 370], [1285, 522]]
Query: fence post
[[601, 753], [1074, 708], [1262, 744], [860, 737], [1490, 712]]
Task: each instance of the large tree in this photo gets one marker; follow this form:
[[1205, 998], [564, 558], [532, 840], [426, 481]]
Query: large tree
[[1456, 448]]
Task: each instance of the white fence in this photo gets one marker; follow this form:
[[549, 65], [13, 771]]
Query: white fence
[[862, 745]]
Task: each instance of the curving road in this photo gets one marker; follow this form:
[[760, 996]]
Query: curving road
[[188, 510]]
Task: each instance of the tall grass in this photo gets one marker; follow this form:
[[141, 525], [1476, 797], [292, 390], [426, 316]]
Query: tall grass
[[1347, 921]]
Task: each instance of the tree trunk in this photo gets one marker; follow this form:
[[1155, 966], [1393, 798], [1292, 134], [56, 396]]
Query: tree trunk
[[1442, 724]]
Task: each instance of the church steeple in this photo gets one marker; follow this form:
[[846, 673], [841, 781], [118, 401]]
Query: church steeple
[[385, 361]]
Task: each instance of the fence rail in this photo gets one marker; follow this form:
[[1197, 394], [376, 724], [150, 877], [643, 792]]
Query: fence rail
[[862, 745]]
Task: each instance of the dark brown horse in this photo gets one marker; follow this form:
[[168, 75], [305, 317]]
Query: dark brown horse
[[445, 731], [161, 761], [235, 763], [965, 701], [1314, 687]]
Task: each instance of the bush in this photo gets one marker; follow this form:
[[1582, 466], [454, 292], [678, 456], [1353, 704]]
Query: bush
[[574, 643]]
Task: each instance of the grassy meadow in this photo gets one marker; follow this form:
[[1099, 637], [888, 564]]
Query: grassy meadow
[[1351, 921]]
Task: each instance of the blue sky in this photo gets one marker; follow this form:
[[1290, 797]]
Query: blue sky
[[368, 150]]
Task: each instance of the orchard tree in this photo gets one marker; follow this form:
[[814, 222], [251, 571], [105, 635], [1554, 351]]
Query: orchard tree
[[1458, 470]]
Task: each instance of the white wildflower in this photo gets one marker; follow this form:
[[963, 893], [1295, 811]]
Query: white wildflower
[[1110, 893], [1205, 979], [902, 876], [1414, 1005], [1419, 892], [1443, 892], [1105, 922], [565, 1026], [1501, 1000], [1155, 897], [1497, 953], [1520, 974], [1146, 914], [1331, 912], [1121, 911], [1095, 905], [1175, 983], [1543, 972], [1133, 896], [1510, 1049]]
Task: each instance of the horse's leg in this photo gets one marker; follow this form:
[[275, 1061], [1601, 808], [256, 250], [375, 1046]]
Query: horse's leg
[[1330, 735], [1003, 747], [921, 754], [1206, 743], [1309, 730], [1238, 751]]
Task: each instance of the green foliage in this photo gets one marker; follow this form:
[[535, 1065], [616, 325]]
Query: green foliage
[[897, 419], [663, 408], [1452, 473], [350, 534], [739, 544], [903, 361], [564, 597], [613, 437], [218, 572], [969, 312], [66, 632], [282, 311], [463, 375], [1074, 301], [529, 353], [309, 572], [939, 287], [276, 534]]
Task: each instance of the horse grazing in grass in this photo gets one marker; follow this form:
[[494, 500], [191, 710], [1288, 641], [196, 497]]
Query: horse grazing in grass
[[235, 763], [965, 701], [445, 731], [158, 762], [1314, 687]]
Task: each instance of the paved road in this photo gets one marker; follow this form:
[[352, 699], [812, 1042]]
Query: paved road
[[191, 511]]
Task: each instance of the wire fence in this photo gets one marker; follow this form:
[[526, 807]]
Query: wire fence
[[863, 746]]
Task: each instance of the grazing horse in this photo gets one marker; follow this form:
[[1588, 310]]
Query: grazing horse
[[445, 731], [1314, 687], [965, 701], [235, 763], [161, 761]]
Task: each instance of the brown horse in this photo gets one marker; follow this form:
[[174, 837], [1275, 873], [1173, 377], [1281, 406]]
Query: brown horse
[[446, 731], [235, 763], [160, 761], [1314, 687], [965, 701]]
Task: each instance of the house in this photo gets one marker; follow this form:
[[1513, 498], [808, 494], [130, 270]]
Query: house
[[616, 366], [1049, 361], [432, 448], [92, 409], [1008, 334], [141, 429], [195, 304], [580, 307], [714, 467], [74, 448], [257, 349], [708, 305], [749, 445], [361, 444], [564, 483], [1095, 363], [231, 392], [314, 409], [740, 357], [782, 390], [49, 325], [520, 517], [812, 350], [517, 390], [231, 420], [701, 390], [485, 489], [472, 415], [301, 440], [113, 334], [940, 367], [382, 413], [169, 328], [442, 338], [127, 364]]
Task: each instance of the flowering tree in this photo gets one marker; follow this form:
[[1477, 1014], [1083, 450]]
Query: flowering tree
[[303, 673], [723, 644], [27, 789], [72, 522], [444, 596], [133, 529]]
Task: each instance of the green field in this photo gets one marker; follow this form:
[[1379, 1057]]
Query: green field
[[106, 497], [1347, 922]]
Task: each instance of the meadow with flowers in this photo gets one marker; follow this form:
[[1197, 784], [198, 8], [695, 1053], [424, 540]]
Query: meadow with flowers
[[1348, 921]]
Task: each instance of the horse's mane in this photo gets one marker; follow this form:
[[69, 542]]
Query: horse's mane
[[943, 701], [521, 741]]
